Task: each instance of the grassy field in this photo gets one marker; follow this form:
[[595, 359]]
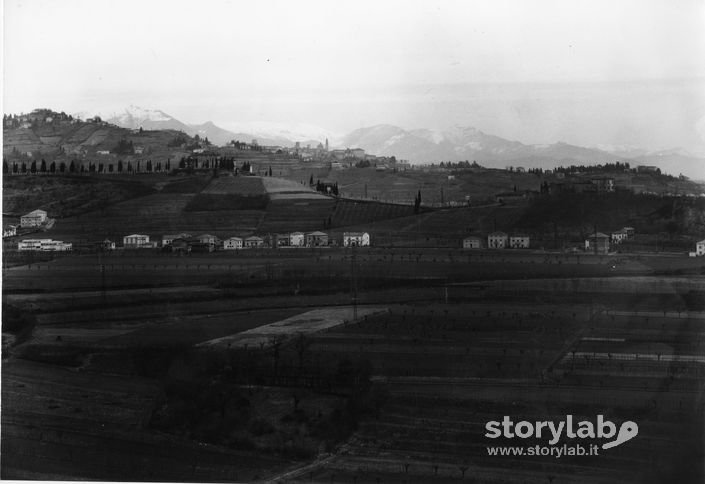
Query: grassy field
[[114, 363]]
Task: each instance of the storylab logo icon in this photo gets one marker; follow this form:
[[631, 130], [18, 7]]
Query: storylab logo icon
[[561, 436]]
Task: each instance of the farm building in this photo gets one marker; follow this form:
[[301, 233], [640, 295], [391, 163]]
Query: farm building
[[107, 244], [519, 241], [254, 242], [9, 230], [472, 242], [44, 245], [619, 236], [136, 241], [356, 239], [167, 239], [180, 245], [497, 240], [598, 243], [296, 239], [209, 239], [283, 240], [317, 239], [33, 219], [57, 246], [232, 243], [30, 244], [630, 231]]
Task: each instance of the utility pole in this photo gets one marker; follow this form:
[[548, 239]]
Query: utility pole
[[101, 267], [353, 281]]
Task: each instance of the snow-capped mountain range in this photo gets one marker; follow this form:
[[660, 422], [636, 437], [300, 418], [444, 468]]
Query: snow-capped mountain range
[[466, 143], [417, 145], [266, 133]]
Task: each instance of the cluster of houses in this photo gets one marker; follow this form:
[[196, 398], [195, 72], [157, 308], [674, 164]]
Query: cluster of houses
[[600, 243], [184, 242], [498, 240], [35, 219], [597, 242]]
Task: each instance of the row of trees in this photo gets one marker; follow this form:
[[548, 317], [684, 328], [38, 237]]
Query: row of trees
[[79, 167], [241, 145], [328, 188]]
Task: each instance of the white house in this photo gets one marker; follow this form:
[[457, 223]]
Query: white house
[[31, 244], [519, 241], [472, 242], [57, 246], [9, 230], [297, 239], [254, 242], [598, 242], [209, 239], [619, 236], [700, 248], [316, 239], [356, 239], [136, 241], [33, 219], [232, 243], [497, 240], [44, 245]]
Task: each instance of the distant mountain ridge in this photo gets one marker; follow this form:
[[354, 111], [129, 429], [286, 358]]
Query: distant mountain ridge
[[466, 143], [135, 117], [419, 145], [272, 134]]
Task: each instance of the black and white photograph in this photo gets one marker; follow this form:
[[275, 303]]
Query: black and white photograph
[[355, 241]]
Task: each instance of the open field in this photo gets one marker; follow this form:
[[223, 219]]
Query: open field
[[435, 186], [282, 189], [300, 325], [477, 367], [112, 374]]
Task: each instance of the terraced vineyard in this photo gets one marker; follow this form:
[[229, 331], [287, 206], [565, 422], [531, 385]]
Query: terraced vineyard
[[449, 370], [235, 185], [286, 215], [350, 212]]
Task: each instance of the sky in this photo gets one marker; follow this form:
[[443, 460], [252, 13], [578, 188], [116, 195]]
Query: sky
[[612, 73]]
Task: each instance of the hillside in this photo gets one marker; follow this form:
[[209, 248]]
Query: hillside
[[57, 136], [89, 208], [135, 117]]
